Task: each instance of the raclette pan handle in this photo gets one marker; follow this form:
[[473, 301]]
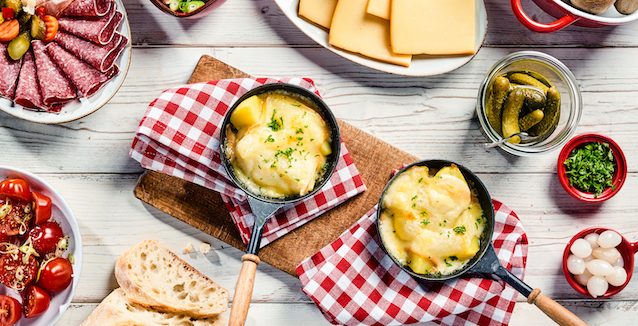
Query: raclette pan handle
[[489, 263], [262, 212]]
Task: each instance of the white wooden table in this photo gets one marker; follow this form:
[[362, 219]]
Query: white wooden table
[[430, 117]]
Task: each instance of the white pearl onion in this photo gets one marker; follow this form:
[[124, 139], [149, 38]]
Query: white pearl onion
[[619, 263], [588, 258], [581, 248], [597, 286], [583, 278], [592, 238], [609, 255], [575, 265], [599, 267], [609, 239], [619, 278]]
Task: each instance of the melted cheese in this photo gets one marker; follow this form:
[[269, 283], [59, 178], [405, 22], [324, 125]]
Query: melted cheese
[[280, 156], [353, 29], [433, 219], [433, 26], [318, 11]]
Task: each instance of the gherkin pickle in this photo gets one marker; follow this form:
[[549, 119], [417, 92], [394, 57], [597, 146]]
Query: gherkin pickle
[[525, 79], [494, 109], [23, 18], [530, 119], [19, 45], [38, 28], [511, 111], [534, 98], [552, 114]]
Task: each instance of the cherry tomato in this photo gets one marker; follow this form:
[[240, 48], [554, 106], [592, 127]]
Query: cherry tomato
[[14, 272], [56, 275], [15, 189], [42, 205], [9, 311], [35, 300], [17, 219], [45, 237]]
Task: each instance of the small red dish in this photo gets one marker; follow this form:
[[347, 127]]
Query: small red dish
[[627, 250], [206, 9], [620, 173]]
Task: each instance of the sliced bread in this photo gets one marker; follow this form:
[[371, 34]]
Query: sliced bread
[[153, 276], [117, 310]]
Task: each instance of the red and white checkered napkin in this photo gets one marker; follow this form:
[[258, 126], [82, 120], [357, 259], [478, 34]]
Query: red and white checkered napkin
[[354, 282], [179, 136]]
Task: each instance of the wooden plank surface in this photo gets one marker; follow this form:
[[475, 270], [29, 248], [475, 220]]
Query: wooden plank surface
[[205, 210]]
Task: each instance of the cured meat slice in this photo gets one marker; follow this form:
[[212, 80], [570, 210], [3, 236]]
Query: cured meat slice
[[100, 57], [9, 70], [95, 29], [28, 91], [87, 8], [87, 79], [55, 87], [53, 7]]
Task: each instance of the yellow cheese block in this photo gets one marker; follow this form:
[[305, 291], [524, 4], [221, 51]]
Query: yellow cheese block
[[433, 26], [354, 30], [379, 8], [318, 11]]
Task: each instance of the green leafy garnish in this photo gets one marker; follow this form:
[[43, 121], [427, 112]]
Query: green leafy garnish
[[459, 229], [269, 139], [274, 123], [446, 263], [591, 168], [425, 222]]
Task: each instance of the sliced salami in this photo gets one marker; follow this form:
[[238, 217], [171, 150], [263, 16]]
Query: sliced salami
[[87, 8], [87, 79], [95, 29], [55, 86], [100, 57], [28, 91], [9, 70]]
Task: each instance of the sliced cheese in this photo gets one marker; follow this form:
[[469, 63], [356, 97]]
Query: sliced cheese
[[379, 8], [318, 11], [354, 30], [433, 26]]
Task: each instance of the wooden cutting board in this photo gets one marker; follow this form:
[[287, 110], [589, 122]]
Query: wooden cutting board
[[205, 210]]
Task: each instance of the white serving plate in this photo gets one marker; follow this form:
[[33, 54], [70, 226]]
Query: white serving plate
[[62, 214], [422, 65], [81, 107]]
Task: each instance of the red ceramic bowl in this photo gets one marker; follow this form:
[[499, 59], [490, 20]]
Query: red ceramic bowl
[[627, 250], [567, 15], [206, 9], [620, 174]]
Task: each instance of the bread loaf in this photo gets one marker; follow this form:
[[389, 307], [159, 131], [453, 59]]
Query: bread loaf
[[117, 310], [153, 276]]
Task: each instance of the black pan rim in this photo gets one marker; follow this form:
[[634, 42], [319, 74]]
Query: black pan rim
[[328, 116], [475, 184]]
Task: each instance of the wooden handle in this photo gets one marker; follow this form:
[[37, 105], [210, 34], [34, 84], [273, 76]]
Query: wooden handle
[[554, 310], [243, 290]]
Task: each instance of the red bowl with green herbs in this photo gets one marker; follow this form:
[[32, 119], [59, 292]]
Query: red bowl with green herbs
[[187, 9], [591, 171]]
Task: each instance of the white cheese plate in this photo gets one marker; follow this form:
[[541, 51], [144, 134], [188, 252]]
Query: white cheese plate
[[84, 106], [422, 65]]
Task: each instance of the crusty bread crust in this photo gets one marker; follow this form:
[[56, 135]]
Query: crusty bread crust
[[153, 276], [117, 310]]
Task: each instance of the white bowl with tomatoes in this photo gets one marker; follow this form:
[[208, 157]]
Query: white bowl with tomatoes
[[40, 250]]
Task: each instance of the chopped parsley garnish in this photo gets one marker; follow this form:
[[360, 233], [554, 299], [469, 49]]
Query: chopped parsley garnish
[[274, 123], [297, 105], [459, 229], [454, 258], [420, 180], [425, 222], [299, 131], [423, 213], [269, 139], [591, 168], [297, 179], [446, 263], [299, 138], [415, 197]]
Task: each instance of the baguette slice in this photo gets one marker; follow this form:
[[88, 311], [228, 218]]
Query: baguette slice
[[153, 276], [117, 310]]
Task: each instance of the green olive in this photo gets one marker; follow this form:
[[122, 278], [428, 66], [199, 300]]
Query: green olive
[[19, 45]]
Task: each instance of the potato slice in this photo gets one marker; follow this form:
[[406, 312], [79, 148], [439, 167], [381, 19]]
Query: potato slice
[[326, 149], [419, 264], [247, 112]]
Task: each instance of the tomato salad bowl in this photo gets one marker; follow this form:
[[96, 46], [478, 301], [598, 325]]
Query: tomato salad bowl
[[40, 250]]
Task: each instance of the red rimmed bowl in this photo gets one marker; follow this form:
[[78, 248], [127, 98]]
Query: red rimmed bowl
[[627, 250], [206, 9], [619, 176], [567, 15]]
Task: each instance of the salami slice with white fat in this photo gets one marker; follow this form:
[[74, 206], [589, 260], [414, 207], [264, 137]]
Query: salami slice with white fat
[[87, 79], [100, 57], [9, 70], [87, 8], [28, 90], [55, 86], [95, 29]]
